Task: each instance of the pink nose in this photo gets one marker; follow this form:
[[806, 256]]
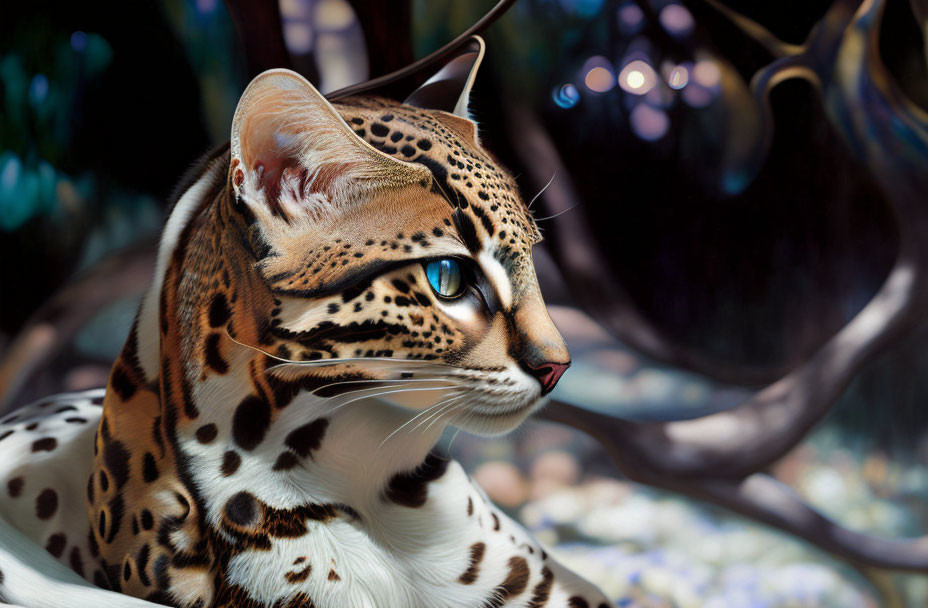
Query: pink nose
[[548, 374]]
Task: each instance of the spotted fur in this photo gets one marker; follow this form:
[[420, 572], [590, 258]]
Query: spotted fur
[[266, 436]]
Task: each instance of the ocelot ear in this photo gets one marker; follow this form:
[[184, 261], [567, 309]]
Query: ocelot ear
[[293, 155], [449, 89]]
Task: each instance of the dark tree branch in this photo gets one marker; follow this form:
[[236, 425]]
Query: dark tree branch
[[717, 457], [387, 28], [430, 60], [261, 31], [763, 498]]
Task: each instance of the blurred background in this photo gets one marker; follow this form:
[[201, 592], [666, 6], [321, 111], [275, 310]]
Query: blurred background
[[706, 232]]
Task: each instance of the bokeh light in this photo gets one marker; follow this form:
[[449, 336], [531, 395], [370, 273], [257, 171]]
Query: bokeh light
[[707, 73], [205, 7], [298, 37], [78, 41], [675, 75], [566, 96], [598, 75], [676, 20], [630, 17], [334, 15], [38, 89], [650, 124], [637, 77]]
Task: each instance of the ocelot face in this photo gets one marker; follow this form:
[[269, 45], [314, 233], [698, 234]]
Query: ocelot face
[[397, 256]]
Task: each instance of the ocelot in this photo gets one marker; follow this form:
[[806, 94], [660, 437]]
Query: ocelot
[[333, 288]]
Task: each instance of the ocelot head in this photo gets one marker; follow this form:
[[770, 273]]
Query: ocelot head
[[386, 251]]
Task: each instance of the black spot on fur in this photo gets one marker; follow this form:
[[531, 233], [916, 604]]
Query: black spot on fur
[[355, 290], [207, 433], [46, 505], [466, 230], [117, 510], [230, 463], [92, 544], [99, 579], [308, 437], [542, 591], [380, 130], [116, 458], [410, 489], [250, 422], [148, 521], [514, 583], [286, 461], [122, 383], [142, 563], [56, 544], [241, 509], [77, 563], [213, 357], [473, 569], [46, 444], [149, 468], [219, 312], [15, 486]]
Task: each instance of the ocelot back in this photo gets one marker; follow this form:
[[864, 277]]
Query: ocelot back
[[333, 288]]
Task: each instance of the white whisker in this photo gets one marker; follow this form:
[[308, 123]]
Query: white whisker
[[426, 410], [390, 392], [542, 191], [560, 213], [438, 413]]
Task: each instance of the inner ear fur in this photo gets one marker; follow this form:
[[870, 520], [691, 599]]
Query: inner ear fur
[[288, 140]]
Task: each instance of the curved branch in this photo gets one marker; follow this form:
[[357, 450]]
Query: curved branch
[[757, 32], [260, 29], [431, 59], [753, 435], [765, 499]]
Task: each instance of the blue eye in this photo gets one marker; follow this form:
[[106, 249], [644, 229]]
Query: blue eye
[[445, 277]]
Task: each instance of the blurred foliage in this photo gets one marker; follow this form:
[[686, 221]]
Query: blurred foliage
[[90, 144], [208, 36], [36, 127]]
